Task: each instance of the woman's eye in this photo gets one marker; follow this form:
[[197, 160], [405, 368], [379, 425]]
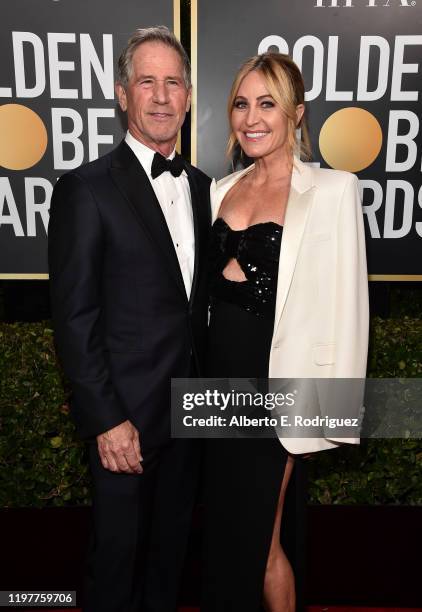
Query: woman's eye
[[267, 104], [239, 104]]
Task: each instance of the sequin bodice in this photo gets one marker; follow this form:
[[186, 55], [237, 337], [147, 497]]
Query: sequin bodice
[[257, 250]]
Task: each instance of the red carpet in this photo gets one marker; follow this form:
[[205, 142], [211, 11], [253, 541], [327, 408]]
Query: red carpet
[[354, 609], [308, 609]]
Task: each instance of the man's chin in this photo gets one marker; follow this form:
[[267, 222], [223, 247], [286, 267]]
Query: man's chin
[[165, 138]]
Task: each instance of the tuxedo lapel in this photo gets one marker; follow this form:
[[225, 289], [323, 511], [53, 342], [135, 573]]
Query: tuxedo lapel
[[297, 211], [201, 224], [133, 183]]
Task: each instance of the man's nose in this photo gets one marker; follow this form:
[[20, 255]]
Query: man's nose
[[160, 92]]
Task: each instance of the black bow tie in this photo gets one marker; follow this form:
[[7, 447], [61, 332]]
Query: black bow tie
[[160, 164]]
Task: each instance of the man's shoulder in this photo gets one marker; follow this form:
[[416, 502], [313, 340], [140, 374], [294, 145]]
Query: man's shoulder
[[91, 170], [91, 175]]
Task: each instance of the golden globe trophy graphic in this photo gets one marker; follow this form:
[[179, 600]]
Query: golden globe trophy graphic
[[24, 137], [362, 133]]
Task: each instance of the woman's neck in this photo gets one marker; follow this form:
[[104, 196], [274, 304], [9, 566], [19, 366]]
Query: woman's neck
[[272, 168]]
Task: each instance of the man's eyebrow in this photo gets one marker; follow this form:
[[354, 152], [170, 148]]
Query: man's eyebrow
[[151, 76]]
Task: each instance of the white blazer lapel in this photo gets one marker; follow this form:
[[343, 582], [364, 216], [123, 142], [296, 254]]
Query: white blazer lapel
[[297, 211], [219, 190]]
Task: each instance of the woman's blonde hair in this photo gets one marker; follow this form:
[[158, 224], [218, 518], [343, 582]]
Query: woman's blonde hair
[[285, 84]]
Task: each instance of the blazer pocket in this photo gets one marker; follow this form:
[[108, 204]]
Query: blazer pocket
[[324, 354]]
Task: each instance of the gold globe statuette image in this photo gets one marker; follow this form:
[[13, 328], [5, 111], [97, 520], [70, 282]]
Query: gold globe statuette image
[[23, 137], [350, 139]]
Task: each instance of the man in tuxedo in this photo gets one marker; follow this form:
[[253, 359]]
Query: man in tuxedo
[[127, 252]]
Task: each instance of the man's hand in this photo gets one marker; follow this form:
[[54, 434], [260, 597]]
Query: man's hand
[[119, 449]]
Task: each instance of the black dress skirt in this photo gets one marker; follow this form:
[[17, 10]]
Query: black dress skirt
[[243, 476]]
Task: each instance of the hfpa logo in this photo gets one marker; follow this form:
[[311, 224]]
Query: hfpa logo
[[370, 3]]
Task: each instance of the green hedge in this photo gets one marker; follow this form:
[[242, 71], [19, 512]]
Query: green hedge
[[377, 471], [41, 461], [43, 464]]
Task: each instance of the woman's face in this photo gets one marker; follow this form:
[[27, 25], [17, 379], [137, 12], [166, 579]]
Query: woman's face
[[258, 122]]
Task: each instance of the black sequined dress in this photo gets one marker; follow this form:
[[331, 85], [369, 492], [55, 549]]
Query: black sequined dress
[[243, 476], [257, 251]]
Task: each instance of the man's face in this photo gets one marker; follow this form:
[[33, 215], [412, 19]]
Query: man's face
[[156, 98]]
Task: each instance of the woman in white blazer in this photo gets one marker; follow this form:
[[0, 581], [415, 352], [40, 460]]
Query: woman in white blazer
[[289, 300]]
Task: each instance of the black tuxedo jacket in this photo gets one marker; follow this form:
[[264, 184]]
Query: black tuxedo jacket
[[123, 323]]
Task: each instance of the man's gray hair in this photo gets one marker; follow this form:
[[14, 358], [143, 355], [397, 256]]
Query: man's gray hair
[[160, 34]]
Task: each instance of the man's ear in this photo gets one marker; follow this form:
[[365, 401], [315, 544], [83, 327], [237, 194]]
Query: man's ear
[[121, 96], [300, 109], [189, 99]]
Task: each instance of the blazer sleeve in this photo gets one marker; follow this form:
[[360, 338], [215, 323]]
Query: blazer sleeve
[[75, 254], [352, 308]]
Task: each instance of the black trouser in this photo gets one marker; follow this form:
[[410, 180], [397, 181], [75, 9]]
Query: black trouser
[[141, 528]]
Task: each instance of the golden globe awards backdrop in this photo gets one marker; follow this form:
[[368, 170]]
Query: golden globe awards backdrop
[[362, 65], [57, 106]]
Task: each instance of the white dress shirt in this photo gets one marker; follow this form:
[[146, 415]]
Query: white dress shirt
[[173, 195]]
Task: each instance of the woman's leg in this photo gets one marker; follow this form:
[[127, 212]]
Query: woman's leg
[[242, 489], [279, 584]]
